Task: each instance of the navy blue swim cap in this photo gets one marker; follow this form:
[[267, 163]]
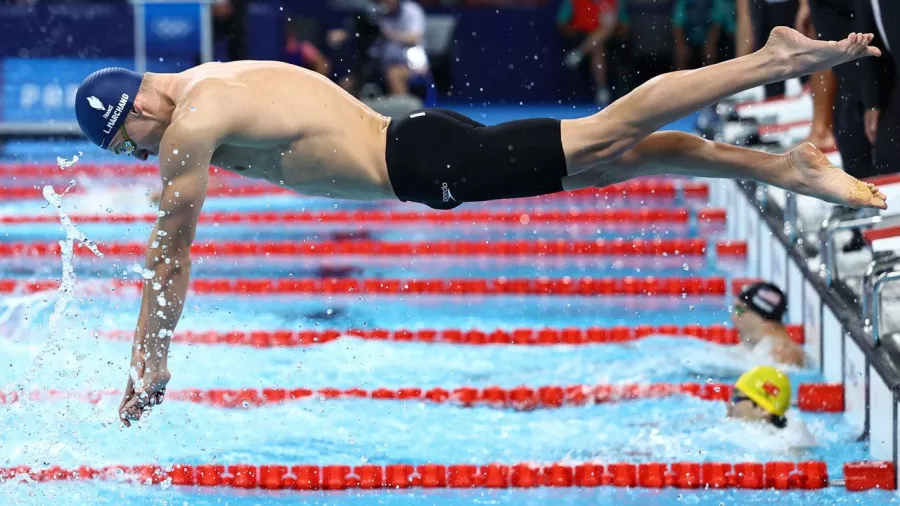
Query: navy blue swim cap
[[103, 101]]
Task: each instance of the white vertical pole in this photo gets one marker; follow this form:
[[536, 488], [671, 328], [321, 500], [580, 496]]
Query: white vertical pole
[[140, 37], [206, 35]]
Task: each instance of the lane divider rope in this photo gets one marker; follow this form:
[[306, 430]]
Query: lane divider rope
[[652, 247], [808, 475], [642, 187], [607, 216], [717, 334], [649, 286], [224, 188], [812, 397]]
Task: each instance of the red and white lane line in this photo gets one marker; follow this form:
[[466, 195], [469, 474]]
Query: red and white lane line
[[282, 338], [600, 247], [648, 286], [807, 475], [812, 397], [607, 216]]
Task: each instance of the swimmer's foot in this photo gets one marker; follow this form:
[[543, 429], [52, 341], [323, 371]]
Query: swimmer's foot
[[803, 56], [817, 177]]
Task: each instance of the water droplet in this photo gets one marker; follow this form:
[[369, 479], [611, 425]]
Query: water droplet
[[686, 267], [174, 151], [193, 109]]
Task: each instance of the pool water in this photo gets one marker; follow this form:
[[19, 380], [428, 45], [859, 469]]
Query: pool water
[[72, 432]]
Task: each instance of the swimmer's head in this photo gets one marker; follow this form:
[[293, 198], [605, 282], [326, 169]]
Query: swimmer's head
[[761, 394], [112, 109], [757, 305]]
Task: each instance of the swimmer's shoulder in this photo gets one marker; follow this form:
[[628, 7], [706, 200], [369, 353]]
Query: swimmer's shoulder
[[209, 103], [789, 352]]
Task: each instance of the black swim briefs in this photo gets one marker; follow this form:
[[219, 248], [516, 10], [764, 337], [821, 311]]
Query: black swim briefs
[[442, 159]]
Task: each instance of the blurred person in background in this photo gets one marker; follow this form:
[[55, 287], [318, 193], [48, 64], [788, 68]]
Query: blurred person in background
[[691, 24], [587, 26], [868, 123], [881, 84], [352, 60], [228, 24], [303, 40], [397, 48], [830, 95], [703, 31], [722, 29], [646, 26], [762, 394], [763, 16]]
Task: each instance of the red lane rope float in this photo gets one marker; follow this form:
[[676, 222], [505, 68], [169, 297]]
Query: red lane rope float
[[717, 334], [808, 475], [608, 216], [649, 286], [641, 247], [813, 397], [224, 188], [638, 188]]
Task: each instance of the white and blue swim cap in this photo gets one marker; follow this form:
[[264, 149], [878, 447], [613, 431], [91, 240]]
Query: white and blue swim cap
[[104, 100]]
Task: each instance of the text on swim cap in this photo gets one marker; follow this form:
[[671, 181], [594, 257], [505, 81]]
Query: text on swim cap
[[115, 115]]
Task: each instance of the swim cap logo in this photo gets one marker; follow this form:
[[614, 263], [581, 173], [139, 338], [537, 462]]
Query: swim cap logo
[[446, 195], [771, 389], [96, 103], [763, 304], [771, 296]]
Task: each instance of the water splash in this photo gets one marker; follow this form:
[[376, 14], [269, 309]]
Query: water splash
[[67, 164], [66, 290]]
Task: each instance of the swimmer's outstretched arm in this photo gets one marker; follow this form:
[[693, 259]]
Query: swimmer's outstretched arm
[[168, 261]]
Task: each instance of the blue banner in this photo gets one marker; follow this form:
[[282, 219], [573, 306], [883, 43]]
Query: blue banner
[[53, 29], [43, 89], [172, 30]]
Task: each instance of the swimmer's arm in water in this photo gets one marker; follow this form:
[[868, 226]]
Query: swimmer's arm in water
[[185, 154]]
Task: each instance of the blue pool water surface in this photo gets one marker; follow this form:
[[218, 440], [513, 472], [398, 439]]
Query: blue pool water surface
[[72, 432]]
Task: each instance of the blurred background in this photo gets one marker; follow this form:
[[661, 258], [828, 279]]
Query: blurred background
[[449, 51]]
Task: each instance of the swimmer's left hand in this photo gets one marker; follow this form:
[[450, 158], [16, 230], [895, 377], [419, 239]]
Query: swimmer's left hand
[[149, 393]]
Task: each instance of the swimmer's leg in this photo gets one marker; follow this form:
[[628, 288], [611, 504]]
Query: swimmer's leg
[[804, 170], [666, 98], [591, 142]]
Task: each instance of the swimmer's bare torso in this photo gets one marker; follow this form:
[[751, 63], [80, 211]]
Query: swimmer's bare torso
[[289, 126]]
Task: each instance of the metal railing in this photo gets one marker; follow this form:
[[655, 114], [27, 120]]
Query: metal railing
[[881, 281], [831, 227], [875, 269]]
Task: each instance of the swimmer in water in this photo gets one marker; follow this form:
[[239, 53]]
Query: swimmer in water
[[757, 315], [297, 129], [762, 394]]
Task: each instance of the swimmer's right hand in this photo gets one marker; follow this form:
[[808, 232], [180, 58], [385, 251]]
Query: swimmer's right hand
[[150, 392]]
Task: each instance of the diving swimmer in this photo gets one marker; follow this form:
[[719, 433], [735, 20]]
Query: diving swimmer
[[297, 129]]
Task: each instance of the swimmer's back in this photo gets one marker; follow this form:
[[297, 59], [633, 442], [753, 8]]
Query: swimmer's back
[[289, 126]]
